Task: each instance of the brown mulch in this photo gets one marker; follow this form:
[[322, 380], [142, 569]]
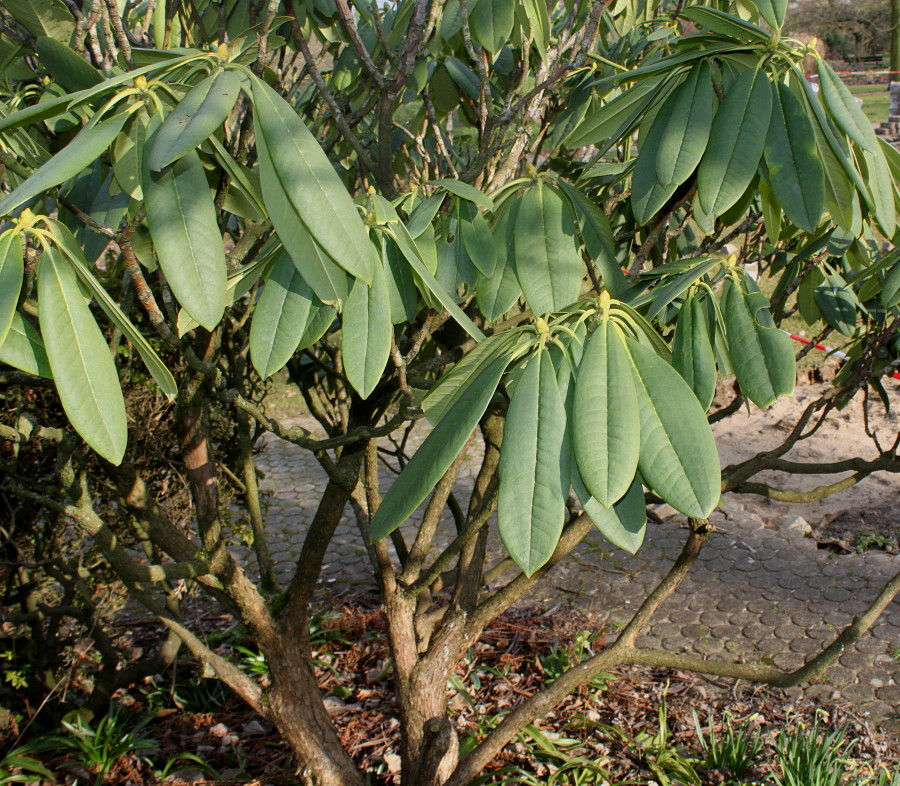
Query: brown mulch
[[516, 655]]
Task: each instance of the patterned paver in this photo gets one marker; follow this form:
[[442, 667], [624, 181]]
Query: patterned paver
[[755, 594]]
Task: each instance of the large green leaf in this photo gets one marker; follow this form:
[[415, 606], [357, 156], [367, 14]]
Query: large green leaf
[[838, 304], [440, 448], [80, 153], [82, 365], [534, 483], [678, 457], [843, 108], [616, 116], [476, 236], [795, 170], [182, 220], [726, 24], [648, 195], [736, 142], [67, 67], [69, 246], [686, 120], [23, 349], [548, 262], [623, 524], [285, 309], [772, 11], [294, 167], [409, 249], [12, 271], [497, 295], [761, 354], [367, 332], [42, 17], [204, 109], [605, 417], [491, 22], [692, 352], [882, 190], [465, 191]]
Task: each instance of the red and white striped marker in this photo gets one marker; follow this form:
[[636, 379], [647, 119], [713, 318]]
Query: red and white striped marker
[[836, 352]]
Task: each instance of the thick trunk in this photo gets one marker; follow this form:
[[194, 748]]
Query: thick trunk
[[295, 706]]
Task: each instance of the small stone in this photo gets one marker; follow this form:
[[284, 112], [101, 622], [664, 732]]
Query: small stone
[[254, 727], [799, 525], [220, 730], [187, 775], [393, 762]]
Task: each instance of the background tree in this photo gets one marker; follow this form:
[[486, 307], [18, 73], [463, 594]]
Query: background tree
[[501, 215], [850, 28]]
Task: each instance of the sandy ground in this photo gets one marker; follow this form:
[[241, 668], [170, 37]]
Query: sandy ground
[[870, 505]]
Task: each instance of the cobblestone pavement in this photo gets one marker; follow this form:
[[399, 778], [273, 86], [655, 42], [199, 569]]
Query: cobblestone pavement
[[755, 594]]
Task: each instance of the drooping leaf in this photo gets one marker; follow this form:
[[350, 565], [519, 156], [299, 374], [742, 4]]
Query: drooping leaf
[[685, 127], [736, 142], [182, 220], [12, 271], [128, 155], [197, 115], [795, 170], [882, 190], [623, 524], [464, 191], [726, 24], [597, 235], [605, 417], [23, 349], [761, 354], [491, 22], [648, 195], [678, 458], [87, 146], [401, 286], [476, 236], [692, 352], [79, 356], [837, 303], [497, 295], [66, 66], [548, 264], [677, 284], [295, 168], [285, 309], [843, 108], [42, 17], [440, 448], [615, 117], [533, 484], [367, 332], [73, 252], [772, 11], [463, 77]]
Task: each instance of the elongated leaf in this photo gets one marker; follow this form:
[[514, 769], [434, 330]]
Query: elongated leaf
[[843, 108], [476, 236], [726, 24], [533, 485], [623, 524], [285, 308], [762, 355], [42, 17], [597, 235], [294, 167], [605, 418], [678, 457], [75, 255], [491, 22], [736, 142], [182, 220], [12, 271], [204, 109], [772, 11], [795, 171], [463, 77], [548, 263], [497, 295], [882, 190], [409, 249], [401, 286], [66, 66], [246, 180], [83, 368], [87, 146], [367, 333], [676, 285], [465, 191], [648, 195], [692, 352], [23, 349], [616, 116], [686, 126], [440, 448], [837, 303]]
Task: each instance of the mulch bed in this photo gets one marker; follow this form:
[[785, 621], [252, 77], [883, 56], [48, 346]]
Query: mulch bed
[[516, 655]]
